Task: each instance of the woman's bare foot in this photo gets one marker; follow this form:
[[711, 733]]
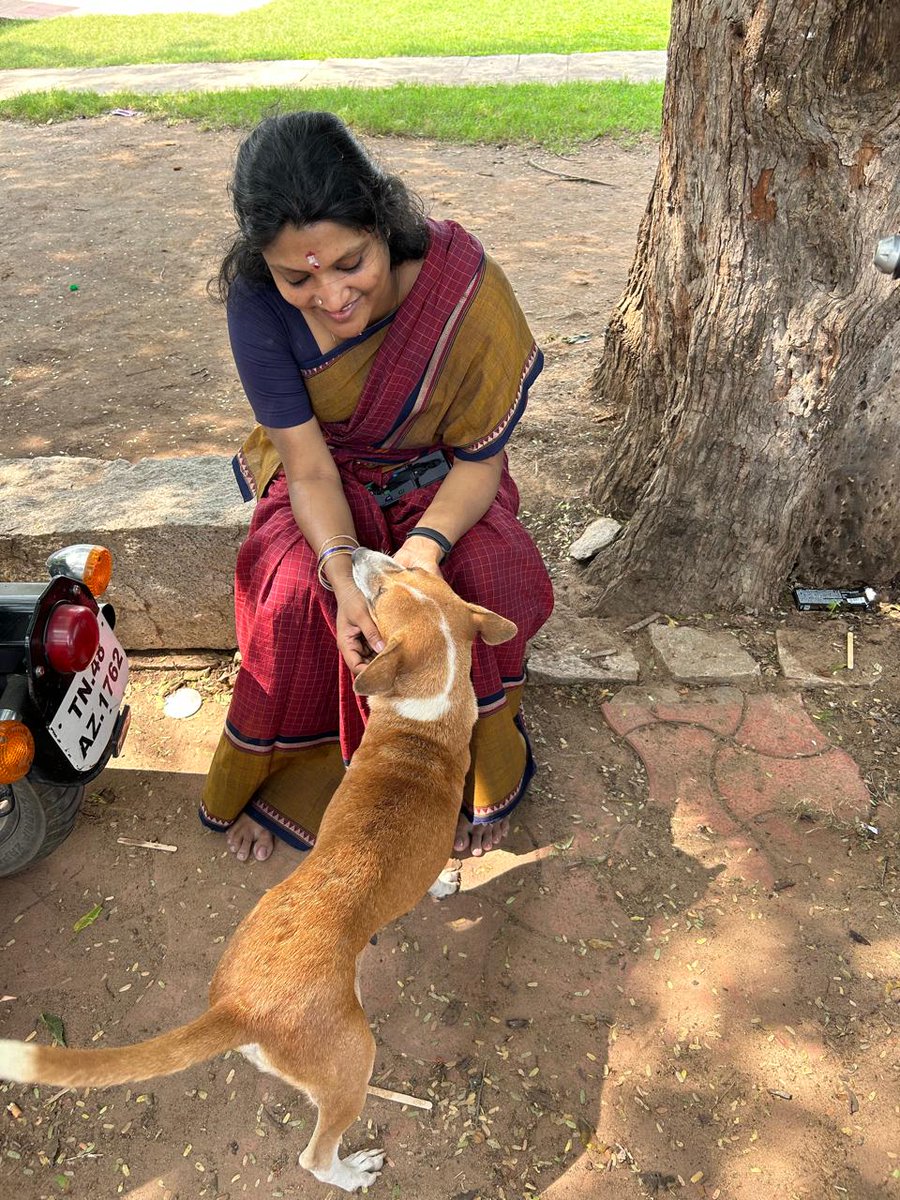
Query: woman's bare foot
[[246, 837], [478, 839]]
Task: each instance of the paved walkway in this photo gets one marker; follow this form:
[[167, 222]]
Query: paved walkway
[[639, 67], [737, 771], [40, 10]]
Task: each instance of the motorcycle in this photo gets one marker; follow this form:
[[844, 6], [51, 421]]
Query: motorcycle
[[63, 675]]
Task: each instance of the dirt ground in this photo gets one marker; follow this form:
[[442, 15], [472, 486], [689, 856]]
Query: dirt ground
[[598, 1013]]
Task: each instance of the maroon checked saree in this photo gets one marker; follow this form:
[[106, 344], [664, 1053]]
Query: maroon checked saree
[[449, 370]]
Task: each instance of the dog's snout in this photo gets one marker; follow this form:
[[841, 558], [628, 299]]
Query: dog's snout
[[368, 567]]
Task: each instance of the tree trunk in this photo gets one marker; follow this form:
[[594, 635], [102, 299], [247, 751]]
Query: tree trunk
[[754, 350]]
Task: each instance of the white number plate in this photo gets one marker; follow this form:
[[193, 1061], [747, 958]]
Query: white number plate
[[84, 722]]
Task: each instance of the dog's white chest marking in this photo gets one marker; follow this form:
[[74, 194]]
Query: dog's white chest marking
[[431, 708]]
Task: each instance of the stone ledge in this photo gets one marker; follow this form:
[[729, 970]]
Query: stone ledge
[[173, 525]]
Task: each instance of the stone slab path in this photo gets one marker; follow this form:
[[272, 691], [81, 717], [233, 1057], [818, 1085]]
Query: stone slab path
[[739, 773]]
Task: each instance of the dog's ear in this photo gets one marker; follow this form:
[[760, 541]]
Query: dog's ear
[[378, 677], [493, 628]]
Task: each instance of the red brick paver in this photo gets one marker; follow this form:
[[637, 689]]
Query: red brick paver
[[739, 773], [718, 709], [779, 726]]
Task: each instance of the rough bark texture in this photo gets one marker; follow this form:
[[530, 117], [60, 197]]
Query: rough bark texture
[[754, 351]]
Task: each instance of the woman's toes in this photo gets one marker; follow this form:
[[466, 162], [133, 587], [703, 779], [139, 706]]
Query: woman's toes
[[482, 840], [479, 839], [486, 837], [239, 845], [463, 837], [264, 845], [246, 837]]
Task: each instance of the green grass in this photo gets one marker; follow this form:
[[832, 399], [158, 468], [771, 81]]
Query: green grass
[[556, 116], [341, 29]]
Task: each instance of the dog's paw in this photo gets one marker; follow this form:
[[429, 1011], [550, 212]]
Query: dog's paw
[[446, 884], [356, 1171], [366, 1165]]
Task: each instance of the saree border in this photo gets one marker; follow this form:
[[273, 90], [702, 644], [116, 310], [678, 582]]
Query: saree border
[[420, 397]]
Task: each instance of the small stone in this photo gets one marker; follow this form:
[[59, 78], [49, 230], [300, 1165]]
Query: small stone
[[695, 656], [597, 535]]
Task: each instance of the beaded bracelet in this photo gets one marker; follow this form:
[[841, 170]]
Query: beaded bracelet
[[432, 534], [323, 558]]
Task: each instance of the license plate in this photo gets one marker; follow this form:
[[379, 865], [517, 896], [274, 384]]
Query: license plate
[[84, 722]]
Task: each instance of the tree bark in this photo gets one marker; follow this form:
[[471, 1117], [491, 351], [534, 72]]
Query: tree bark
[[754, 350]]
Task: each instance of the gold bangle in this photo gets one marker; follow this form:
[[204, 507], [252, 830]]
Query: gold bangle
[[345, 539], [323, 559]]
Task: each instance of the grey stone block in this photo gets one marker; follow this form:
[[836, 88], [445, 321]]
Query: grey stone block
[[695, 656], [572, 649], [563, 667], [173, 525]]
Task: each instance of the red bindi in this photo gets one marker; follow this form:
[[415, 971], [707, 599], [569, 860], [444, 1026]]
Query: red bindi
[[312, 260]]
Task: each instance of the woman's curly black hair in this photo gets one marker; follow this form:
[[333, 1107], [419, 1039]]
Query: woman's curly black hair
[[303, 167]]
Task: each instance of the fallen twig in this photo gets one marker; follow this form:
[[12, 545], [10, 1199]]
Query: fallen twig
[[399, 1097], [127, 841], [642, 624], [567, 177]]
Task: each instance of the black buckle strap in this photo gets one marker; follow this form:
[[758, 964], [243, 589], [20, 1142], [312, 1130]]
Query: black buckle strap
[[419, 473]]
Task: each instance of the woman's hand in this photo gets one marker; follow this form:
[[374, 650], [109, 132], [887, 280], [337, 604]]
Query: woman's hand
[[357, 634], [419, 552]]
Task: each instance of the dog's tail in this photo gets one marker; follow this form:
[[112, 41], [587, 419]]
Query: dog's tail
[[213, 1033]]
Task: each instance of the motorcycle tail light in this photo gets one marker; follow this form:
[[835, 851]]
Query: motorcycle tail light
[[91, 564], [16, 751], [71, 638]]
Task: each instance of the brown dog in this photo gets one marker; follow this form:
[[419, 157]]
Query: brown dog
[[285, 992]]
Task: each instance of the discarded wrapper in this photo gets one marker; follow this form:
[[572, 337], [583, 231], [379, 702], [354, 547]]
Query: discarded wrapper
[[828, 599]]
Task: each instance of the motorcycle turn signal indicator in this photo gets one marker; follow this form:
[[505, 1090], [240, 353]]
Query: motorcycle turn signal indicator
[[91, 564], [16, 751]]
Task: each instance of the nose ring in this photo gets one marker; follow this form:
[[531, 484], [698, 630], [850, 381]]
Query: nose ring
[[319, 301]]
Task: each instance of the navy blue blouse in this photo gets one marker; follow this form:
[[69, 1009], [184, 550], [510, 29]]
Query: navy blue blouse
[[269, 340]]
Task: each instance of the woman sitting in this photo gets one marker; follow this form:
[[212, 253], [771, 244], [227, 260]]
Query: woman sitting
[[387, 363]]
